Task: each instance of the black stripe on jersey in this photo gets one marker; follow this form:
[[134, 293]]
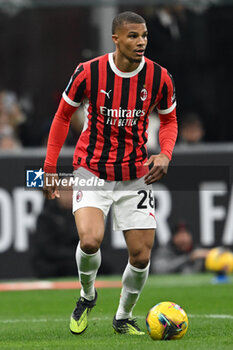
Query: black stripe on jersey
[[155, 90], [80, 91], [156, 83], [122, 132], [139, 105], [107, 127], [163, 101], [93, 100], [74, 76]]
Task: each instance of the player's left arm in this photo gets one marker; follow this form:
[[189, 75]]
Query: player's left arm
[[168, 130]]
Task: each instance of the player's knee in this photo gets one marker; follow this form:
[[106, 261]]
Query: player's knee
[[140, 259], [89, 245], [90, 238], [141, 263]]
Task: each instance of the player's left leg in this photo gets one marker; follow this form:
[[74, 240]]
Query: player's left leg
[[139, 243], [133, 213]]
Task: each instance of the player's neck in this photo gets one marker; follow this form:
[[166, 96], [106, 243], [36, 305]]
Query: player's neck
[[123, 64]]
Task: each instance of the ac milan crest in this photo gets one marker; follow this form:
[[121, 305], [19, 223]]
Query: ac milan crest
[[79, 196], [143, 94]]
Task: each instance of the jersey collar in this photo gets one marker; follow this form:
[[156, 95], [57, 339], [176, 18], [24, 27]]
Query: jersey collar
[[125, 74]]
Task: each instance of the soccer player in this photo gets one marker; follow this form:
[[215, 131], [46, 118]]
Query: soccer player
[[118, 91]]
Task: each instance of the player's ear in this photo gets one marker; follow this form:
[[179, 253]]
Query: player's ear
[[115, 38]]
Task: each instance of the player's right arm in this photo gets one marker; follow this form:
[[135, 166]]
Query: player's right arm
[[70, 101], [57, 135]]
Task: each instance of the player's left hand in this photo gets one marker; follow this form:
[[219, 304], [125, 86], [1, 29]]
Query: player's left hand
[[159, 169]]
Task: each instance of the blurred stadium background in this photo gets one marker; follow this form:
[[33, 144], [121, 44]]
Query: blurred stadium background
[[41, 42]]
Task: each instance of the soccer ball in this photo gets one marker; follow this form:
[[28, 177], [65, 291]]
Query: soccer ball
[[166, 321], [219, 260]]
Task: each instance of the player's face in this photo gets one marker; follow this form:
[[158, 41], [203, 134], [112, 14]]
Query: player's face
[[131, 41]]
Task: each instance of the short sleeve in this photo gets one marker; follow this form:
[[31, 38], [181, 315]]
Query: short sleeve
[[75, 90], [167, 98]]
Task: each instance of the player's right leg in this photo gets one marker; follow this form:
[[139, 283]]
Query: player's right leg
[[90, 225], [90, 208]]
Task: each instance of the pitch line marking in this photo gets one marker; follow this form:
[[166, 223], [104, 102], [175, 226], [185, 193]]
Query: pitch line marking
[[103, 318], [211, 316]]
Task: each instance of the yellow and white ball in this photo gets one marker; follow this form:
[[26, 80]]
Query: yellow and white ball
[[219, 260], [166, 320]]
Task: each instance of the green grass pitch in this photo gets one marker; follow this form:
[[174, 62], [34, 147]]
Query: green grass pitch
[[40, 319]]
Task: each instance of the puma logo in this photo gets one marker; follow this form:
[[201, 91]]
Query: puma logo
[[106, 93], [152, 215]]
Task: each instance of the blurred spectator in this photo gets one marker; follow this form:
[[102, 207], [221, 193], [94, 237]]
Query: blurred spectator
[[11, 117], [167, 25], [10, 110], [179, 255], [169, 16], [8, 141], [55, 239], [191, 130]]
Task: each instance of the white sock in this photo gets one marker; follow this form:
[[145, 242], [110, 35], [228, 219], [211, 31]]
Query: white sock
[[88, 265], [133, 281]]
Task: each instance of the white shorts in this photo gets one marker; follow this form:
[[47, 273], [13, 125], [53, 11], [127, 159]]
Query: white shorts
[[132, 201]]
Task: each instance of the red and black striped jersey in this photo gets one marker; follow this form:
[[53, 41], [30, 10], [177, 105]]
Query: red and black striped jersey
[[117, 105]]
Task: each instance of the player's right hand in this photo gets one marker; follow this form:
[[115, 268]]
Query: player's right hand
[[50, 188]]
